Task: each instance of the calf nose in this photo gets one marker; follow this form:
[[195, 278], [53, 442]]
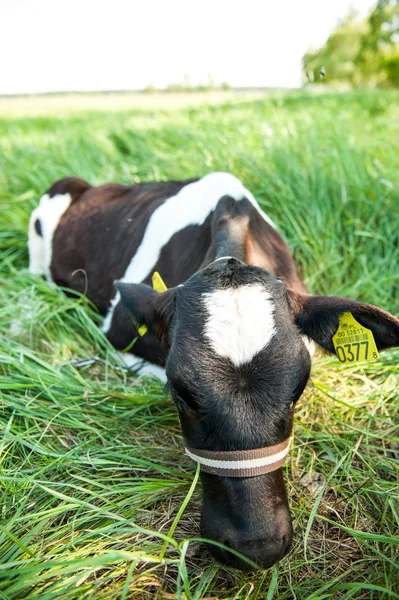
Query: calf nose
[[264, 552]]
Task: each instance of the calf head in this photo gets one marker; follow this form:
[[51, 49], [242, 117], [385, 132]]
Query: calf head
[[237, 363]]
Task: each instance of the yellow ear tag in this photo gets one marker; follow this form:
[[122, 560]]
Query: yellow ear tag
[[353, 342], [142, 330], [158, 285]]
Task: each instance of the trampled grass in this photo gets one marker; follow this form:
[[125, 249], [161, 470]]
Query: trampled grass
[[92, 475]]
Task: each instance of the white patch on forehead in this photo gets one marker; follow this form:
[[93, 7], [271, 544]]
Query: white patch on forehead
[[240, 321], [190, 206], [49, 213]]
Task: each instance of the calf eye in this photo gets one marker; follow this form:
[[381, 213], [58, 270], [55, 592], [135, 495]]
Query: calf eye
[[178, 400], [181, 397]]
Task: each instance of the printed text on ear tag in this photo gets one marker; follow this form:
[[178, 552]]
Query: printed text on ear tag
[[353, 342]]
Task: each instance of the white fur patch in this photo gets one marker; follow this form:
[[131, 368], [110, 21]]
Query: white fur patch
[[262, 213], [190, 206], [49, 212], [142, 367], [240, 321], [35, 246], [310, 345]]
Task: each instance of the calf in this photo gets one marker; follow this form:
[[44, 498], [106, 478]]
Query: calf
[[232, 330]]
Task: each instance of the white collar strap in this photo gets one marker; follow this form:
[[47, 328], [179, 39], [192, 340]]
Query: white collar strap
[[241, 463]]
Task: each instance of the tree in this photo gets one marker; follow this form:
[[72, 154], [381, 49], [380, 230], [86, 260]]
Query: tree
[[337, 56], [360, 52], [378, 57]]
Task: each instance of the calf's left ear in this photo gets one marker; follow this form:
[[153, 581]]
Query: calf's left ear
[[150, 308], [318, 318]]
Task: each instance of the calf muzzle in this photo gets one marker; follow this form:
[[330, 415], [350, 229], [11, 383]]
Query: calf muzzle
[[245, 504]]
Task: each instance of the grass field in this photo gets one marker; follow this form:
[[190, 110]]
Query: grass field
[[65, 104], [97, 499]]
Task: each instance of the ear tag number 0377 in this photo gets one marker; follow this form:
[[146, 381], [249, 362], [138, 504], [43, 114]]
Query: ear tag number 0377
[[158, 285], [353, 342]]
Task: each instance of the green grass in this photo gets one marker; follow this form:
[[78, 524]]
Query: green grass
[[92, 473]]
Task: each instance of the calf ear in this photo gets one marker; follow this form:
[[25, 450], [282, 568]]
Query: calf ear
[[150, 308], [318, 318]]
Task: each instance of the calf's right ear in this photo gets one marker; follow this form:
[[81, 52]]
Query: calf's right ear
[[317, 317], [150, 308]]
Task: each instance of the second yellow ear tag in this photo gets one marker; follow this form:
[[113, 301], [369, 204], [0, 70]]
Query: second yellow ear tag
[[353, 342], [142, 330], [158, 285]]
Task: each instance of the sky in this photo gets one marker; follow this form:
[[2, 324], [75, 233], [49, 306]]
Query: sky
[[82, 45]]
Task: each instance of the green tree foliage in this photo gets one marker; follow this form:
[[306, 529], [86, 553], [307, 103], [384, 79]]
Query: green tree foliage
[[360, 51]]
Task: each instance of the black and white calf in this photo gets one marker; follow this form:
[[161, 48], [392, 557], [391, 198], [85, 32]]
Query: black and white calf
[[231, 330]]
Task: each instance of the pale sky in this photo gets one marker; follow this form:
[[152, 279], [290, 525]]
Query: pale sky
[[64, 45]]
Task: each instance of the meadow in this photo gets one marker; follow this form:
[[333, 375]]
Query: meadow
[[97, 499]]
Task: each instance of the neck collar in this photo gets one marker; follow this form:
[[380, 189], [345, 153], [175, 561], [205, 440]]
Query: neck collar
[[241, 463]]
